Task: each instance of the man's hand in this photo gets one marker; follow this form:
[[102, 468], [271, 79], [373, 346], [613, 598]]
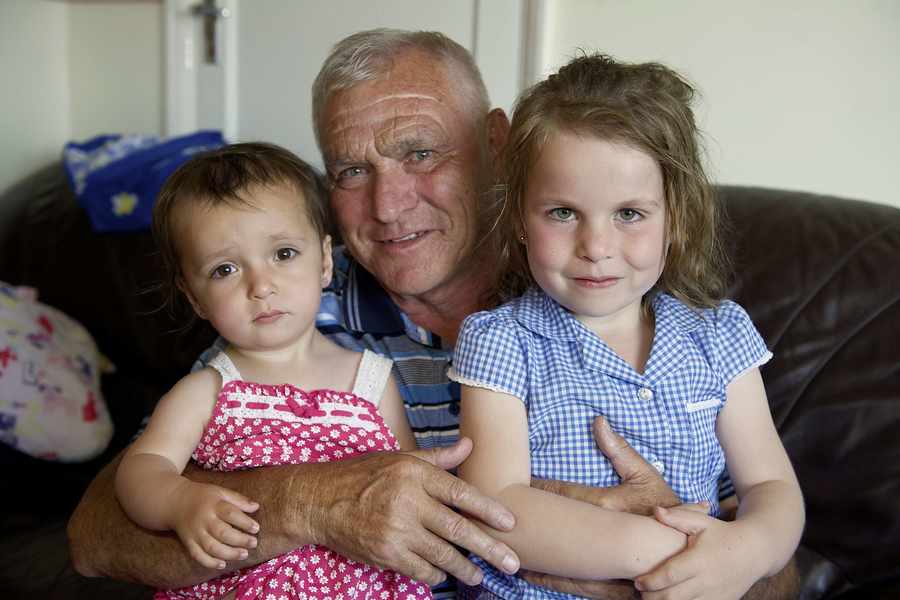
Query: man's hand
[[394, 510], [642, 488]]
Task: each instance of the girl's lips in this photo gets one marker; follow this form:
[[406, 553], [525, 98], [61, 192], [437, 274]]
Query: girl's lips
[[268, 317], [596, 283]]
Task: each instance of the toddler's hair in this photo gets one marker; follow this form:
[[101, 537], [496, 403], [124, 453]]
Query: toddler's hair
[[224, 176], [646, 106]]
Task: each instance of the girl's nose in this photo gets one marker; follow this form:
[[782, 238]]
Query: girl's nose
[[594, 242], [261, 286]]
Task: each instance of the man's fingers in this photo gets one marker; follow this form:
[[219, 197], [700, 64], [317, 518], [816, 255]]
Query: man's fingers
[[463, 496], [442, 557], [625, 459], [686, 520], [459, 530], [446, 458]]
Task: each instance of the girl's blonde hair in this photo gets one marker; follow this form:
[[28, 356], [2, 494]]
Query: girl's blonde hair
[[648, 107]]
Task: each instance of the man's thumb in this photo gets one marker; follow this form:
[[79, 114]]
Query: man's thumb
[[625, 460], [446, 458]]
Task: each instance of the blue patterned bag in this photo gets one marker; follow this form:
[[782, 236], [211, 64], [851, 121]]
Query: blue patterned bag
[[117, 177]]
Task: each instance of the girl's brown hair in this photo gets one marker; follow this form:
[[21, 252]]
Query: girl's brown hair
[[223, 176], [647, 106]]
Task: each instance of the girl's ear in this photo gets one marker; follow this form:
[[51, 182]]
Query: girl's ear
[[187, 293], [327, 261]]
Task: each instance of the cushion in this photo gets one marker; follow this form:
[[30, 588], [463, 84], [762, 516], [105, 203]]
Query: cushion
[[51, 406]]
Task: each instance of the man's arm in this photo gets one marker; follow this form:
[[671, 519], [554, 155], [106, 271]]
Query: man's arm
[[393, 510], [641, 489]]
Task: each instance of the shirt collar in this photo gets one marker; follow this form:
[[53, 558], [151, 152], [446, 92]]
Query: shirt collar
[[369, 309], [544, 316], [539, 313]]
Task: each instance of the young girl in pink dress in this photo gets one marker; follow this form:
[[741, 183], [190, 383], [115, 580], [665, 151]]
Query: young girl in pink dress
[[242, 234]]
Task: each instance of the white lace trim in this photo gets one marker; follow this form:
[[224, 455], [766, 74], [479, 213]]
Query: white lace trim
[[372, 376], [222, 363], [453, 375], [329, 418]]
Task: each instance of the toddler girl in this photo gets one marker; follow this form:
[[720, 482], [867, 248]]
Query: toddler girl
[[242, 234], [611, 224]]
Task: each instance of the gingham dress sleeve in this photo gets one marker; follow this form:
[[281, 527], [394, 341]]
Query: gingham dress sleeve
[[740, 346], [489, 354]]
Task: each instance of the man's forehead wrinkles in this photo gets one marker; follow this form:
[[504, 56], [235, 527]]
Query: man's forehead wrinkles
[[380, 99]]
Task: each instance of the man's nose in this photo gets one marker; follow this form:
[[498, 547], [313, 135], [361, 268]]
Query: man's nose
[[393, 192]]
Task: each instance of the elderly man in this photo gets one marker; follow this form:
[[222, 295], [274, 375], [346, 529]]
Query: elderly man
[[410, 143]]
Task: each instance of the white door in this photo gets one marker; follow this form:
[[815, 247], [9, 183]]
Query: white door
[[201, 66], [269, 52]]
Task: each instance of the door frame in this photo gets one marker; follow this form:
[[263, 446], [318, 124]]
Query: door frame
[[181, 67]]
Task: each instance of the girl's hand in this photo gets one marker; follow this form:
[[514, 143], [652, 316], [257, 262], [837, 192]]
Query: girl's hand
[[717, 563], [212, 524]]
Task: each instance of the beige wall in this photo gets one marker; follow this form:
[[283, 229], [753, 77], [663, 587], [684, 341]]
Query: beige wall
[[115, 61], [798, 95], [73, 71], [34, 103]]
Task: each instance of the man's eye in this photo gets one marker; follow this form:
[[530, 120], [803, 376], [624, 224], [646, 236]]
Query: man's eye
[[421, 155], [285, 253], [223, 271], [350, 177], [562, 214]]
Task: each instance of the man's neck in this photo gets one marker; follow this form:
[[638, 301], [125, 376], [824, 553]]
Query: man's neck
[[442, 311]]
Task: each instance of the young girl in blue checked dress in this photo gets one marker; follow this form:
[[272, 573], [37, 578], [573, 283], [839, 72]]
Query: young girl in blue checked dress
[[611, 232]]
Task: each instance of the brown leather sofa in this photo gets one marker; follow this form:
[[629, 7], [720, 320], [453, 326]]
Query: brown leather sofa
[[816, 273]]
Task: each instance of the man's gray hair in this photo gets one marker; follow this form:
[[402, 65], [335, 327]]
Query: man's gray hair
[[369, 55]]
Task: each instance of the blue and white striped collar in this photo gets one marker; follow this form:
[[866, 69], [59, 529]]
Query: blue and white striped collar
[[369, 309]]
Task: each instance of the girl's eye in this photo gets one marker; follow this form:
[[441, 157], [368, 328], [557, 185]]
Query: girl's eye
[[223, 271], [629, 214], [285, 254], [562, 214]]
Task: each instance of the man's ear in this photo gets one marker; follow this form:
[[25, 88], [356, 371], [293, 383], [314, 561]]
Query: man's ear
[[497, 133], [327, 261], [187, 293]]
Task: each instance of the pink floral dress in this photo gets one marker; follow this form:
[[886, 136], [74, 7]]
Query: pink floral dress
[[257, 425]]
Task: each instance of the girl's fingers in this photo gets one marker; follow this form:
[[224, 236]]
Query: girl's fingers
[[231, 514], [217, 549], [239, 500]]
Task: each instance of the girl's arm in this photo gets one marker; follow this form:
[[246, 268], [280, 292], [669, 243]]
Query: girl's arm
[[770, 501], [155, 495], [725, 558], [553, 534], [394, 414]]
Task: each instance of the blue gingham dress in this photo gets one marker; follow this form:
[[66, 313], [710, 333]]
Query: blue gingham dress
[[534, 349]]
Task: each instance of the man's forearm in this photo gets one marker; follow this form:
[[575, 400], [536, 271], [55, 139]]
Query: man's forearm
[[784, 585], [104, 542]]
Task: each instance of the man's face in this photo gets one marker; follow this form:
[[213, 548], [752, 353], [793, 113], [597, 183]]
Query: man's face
[[408, 165]]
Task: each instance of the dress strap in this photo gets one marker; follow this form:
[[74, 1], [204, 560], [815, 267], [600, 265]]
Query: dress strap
[[372, 376], [222, 363]]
